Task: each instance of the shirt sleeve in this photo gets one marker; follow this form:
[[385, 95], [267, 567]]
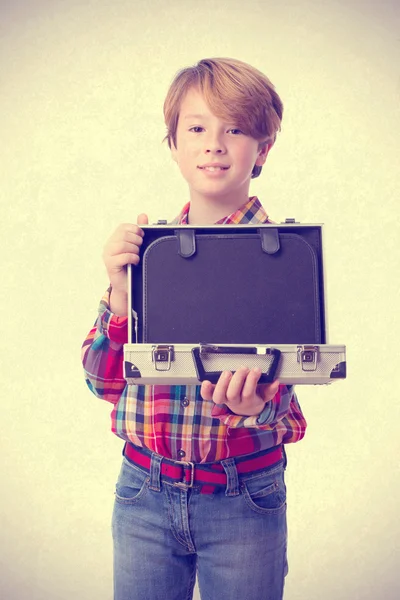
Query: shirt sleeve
[[274, 411], [102, 353]]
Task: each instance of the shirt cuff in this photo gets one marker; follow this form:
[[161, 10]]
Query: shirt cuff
[[112, 326], [230, 419], [273, 411]]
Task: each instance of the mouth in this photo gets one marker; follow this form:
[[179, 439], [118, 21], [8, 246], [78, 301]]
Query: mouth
[[213, 168]]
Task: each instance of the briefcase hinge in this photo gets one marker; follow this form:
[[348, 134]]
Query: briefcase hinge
[[307, 356], [162, 356]]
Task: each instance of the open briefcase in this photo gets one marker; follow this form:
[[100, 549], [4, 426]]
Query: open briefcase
[[205, 299]]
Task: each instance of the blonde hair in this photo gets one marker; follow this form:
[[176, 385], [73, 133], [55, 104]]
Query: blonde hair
[[235, 92]]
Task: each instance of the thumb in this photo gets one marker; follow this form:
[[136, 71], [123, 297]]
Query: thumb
[[142, 219]]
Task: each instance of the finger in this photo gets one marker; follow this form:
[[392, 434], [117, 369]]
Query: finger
[[207, 390], [142, 219], [121, 260], [250, 384], [130, 236], [234, 391], [127, 228], [221, 387], [116, 248], [267, 392]]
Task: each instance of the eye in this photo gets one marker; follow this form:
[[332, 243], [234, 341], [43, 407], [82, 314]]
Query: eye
[[235, 131], [196, 129]]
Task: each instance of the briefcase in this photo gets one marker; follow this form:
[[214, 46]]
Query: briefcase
[[205, 299]]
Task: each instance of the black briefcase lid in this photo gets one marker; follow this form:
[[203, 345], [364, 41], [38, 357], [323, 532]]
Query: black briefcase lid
[[234, 284]]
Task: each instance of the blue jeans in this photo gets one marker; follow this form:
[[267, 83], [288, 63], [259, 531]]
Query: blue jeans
[[235, 539]]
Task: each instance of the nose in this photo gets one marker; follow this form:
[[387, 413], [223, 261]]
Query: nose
[[214, 144]]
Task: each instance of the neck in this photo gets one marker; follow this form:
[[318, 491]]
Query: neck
[[206, 211]]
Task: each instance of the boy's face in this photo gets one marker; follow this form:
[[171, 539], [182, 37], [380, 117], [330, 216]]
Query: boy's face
[[203, 140]]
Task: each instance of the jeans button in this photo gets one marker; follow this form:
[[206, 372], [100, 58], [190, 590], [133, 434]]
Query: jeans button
[[181, 454]]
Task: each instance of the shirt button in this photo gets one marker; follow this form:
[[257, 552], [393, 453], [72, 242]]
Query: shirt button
[[181, 453], [185, 401]]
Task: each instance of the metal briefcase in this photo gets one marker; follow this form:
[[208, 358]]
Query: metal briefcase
[[204, 299]]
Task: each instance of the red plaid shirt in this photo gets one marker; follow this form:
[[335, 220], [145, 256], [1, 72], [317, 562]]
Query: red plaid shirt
[[175, 421]]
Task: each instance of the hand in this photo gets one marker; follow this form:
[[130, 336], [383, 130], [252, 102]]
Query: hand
[[122, 249], [240, 391]]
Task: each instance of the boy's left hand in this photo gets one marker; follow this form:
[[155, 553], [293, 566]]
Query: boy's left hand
[[240, 391]]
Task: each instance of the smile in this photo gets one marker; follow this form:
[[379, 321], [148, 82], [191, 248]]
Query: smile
[[211, 169]]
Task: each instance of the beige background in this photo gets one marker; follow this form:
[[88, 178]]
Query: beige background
[[82, 87]]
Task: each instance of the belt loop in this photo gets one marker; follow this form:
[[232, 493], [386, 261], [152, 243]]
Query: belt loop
[[155, 472], [232, 484]]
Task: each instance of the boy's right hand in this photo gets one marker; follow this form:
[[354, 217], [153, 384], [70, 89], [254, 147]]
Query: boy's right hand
[[122, 249]]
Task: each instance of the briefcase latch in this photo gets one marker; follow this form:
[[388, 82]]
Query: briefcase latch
[[307, 356], [162, 356]]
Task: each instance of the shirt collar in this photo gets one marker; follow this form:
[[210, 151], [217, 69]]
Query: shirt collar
[[251, 212]]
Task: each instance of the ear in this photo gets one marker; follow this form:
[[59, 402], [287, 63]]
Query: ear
[[263, 153]]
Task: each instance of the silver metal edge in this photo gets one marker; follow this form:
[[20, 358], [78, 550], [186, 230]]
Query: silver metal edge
[[285, 380], [186, 347], [325, 307], [238, 226], [130, 304]]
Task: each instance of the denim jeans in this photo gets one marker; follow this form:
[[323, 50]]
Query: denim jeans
[[235, 539]]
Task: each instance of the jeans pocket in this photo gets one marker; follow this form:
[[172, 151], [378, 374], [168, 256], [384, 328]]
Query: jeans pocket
[[132, 484], [266, 493]]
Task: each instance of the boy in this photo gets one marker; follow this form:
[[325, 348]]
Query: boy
[[202, 481]]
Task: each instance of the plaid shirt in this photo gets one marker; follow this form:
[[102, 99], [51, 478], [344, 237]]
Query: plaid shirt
[[175, 421]]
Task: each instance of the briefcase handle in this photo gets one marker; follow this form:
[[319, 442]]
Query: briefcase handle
[[213, 376]]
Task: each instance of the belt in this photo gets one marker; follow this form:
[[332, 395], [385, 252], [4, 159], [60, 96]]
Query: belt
[[209, 476]]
